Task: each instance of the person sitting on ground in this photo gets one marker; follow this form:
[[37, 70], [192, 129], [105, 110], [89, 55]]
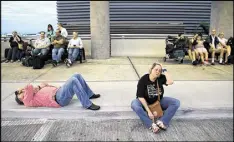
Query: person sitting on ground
[[14, 41], [46, 95], [213, 42], [192, 52], [58, 49], [63, 30], [198, 44], [73, 49], [147, 94], [223, 45], [41, 45], [50, 32], [22, 51]]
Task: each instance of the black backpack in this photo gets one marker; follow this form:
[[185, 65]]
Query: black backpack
[[38, 62], [27, 61]]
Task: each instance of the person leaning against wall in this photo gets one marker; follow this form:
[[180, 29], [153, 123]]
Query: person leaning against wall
[[223, 45], [59, 47], [41, 45], [73, 49], [14, 41], [214, 48]]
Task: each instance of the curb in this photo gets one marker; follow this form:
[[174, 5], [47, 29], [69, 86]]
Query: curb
[[110, 114]]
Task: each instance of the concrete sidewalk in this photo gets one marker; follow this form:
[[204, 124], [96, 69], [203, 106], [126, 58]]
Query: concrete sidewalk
[[206, 95], [200, 89]]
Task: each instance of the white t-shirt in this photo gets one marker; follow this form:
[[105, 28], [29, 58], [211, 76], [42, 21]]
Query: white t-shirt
[[213, 40], [223, 40], [64, 32], [77, 42]]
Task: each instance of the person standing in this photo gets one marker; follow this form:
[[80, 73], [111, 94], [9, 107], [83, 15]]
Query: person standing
[[63, 30], [50, 32]]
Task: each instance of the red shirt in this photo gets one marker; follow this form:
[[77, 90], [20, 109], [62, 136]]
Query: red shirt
[[42, 98]]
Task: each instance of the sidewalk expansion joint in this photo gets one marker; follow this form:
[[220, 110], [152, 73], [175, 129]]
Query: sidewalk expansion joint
[[134, 68]]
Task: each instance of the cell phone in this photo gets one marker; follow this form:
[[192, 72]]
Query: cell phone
[[74, 45]]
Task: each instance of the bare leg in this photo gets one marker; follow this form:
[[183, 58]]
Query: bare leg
[[202, 57], [193, 56], [221, 55], [206, 56], [190, 55], [227, 50]]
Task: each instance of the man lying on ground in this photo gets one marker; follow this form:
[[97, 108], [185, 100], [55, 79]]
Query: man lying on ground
[[46, 95]]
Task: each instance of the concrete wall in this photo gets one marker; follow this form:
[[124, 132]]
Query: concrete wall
[[222, 17], [138, 47], [124, 47]]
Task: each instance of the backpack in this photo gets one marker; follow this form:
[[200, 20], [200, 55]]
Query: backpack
[[27, 61], [38, 62]]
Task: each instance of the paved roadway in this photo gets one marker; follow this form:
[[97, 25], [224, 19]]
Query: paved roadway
[[114, 130]]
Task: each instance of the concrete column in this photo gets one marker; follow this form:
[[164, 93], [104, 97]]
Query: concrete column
[[100, 29], [221, 17]]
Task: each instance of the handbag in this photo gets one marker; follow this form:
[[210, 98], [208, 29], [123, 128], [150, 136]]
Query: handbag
[[20, 45], [156, 107]]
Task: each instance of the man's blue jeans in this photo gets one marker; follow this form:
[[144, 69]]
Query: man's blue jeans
[[43, 51], [57, 53], [75, 85], [73, 53], [169, 105]]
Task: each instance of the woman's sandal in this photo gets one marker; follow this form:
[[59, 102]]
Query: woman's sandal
[[161, 125], [155, 129]]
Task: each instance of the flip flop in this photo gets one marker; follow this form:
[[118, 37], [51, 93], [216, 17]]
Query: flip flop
[[155, 129], [161, 125]]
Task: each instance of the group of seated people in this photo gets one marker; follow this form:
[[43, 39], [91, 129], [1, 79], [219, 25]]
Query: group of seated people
[[57, 41], [198, 53]]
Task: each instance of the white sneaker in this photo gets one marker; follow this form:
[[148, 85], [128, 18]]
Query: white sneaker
[[69, 61]]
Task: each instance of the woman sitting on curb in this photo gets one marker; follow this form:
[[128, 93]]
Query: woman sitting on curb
[[147, 94], [73, 49], [47, 95]]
